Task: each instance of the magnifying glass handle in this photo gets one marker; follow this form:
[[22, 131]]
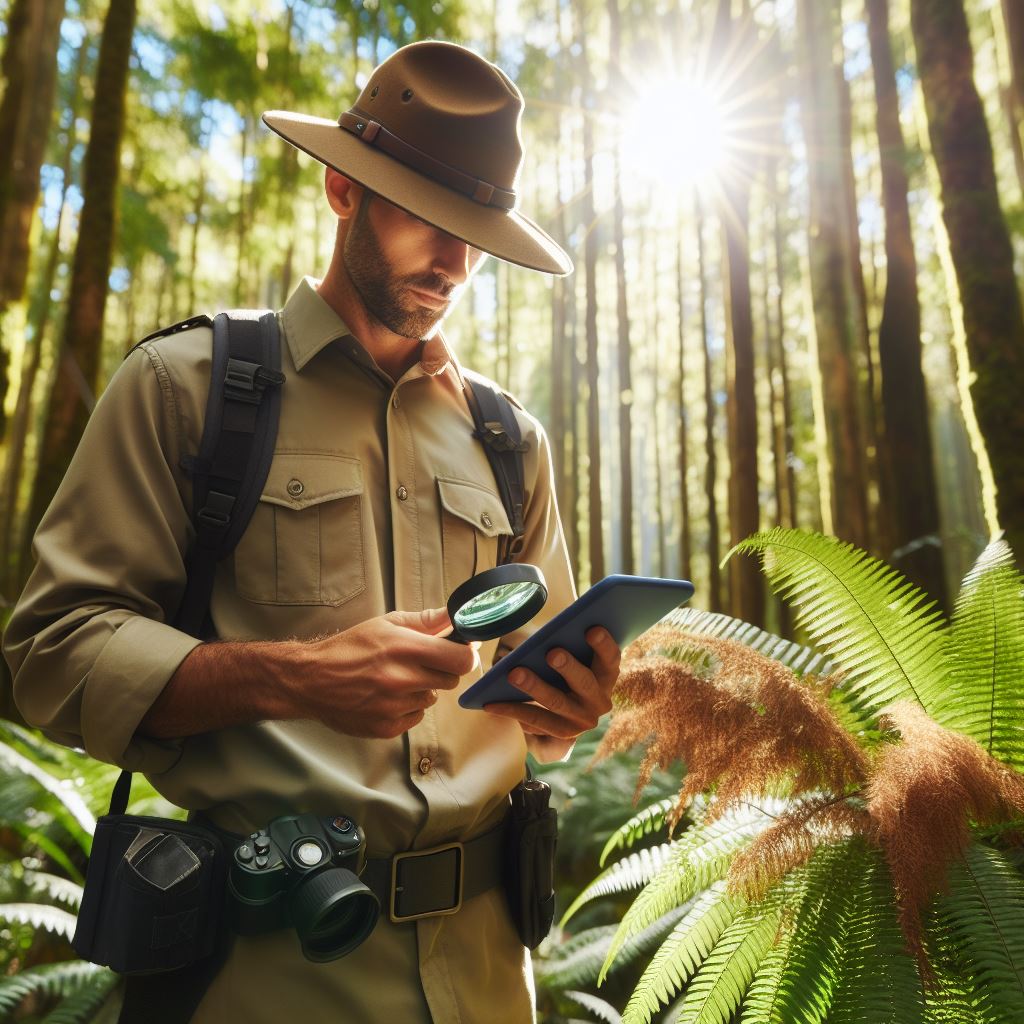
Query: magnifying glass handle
[[456, 637]]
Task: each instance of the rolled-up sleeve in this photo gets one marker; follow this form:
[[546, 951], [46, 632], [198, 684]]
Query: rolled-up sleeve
[[89, 644]]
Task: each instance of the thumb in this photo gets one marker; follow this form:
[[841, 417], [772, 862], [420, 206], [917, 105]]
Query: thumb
[[429, 620]]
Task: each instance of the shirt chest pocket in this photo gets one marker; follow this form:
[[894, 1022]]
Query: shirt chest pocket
[[304, 544], [473, 521]]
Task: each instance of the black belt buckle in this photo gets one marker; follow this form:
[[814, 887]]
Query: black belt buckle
[[412, 873]]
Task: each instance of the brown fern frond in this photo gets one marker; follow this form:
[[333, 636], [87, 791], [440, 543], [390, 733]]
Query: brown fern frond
[[737, 720], [791, 842], [923, 793]]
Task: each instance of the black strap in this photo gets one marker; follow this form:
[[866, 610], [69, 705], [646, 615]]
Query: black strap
[[242, 412], [498, 428]]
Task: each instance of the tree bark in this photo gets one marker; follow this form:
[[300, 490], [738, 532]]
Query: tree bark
[[685, 543], [83, 327], [829, 270], [710, 458], [905, 445], [980, 246]]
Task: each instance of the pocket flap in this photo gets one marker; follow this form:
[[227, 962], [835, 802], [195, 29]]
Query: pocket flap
[[300, 479], [475, 504]]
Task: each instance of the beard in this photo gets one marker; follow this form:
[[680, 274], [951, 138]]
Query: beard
[[384, 292]]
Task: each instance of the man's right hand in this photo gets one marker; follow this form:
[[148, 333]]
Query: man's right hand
[[375, 679]]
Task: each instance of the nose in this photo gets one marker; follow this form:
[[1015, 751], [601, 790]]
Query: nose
[[454, 258]]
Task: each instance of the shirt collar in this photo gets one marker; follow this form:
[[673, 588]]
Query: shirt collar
[[311, 324]]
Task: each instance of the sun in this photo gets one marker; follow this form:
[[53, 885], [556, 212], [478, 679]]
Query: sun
[[675, 132]]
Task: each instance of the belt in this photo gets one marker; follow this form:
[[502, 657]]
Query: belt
[[421, 883]]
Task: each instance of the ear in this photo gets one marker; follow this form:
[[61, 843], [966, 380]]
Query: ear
[[343, 193]]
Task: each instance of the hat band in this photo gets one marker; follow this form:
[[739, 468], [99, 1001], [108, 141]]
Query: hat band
[[375, 134]]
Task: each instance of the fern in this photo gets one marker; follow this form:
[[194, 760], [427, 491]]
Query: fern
[[681, 954], [16, 882], [699, 858], [719, 986], [984, 911], [39, 915], [881, 631], [986, 655], [878, 980], [650, 819], [631, 872], [54, 981], [596, 1005]]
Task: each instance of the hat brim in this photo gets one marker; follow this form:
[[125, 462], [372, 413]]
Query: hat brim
[[505, 234]]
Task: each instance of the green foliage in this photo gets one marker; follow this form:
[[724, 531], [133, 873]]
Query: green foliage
[[829, 941], [79, 988]]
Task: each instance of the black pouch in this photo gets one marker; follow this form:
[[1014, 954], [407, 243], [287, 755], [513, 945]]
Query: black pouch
[[530, 864], [154, 892]]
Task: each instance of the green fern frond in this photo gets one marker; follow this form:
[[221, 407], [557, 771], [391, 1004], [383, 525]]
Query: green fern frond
[[802, 660], [51, 981], [16, 882], [700, 857], [631, 872], [649, 820], [718, 988], [685, 949], [985, 650], [578, 961], [64, 800], [80, 1006], [878, 979], [798, 976], [596, 1005], [950, 998], [984, 911], [39, 915], [883, 632]]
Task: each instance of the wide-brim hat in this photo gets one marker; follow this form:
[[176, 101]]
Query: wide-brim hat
[[436, 132]]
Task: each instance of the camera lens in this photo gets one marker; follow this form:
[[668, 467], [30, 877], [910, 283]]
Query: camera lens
[[332, 912]]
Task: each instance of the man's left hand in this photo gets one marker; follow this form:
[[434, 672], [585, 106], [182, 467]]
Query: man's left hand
[[562, 714]]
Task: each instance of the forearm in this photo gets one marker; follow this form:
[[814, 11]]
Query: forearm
[[223, 684]]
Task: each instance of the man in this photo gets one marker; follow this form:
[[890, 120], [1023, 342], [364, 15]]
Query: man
[[332, 690]]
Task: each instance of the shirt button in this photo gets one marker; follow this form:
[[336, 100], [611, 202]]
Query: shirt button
[[486, 520], [424, 765], [402, 493], [295, 488]]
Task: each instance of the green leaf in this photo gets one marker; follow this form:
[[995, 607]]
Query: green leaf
[[985, 649], [596, 1005], [52, 981], [650, 819], [685, 949], [884, 633], [719, 986], [984, 911], [39, 915], [701, 856]]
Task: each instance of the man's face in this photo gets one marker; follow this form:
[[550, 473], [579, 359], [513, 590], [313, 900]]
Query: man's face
[[408, 273]]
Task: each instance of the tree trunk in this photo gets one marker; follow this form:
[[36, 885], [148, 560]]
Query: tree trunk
[[830, 272], [685, 549], [980, 246], [905, 445], [83, 327], [595, 516], [622, 305], [710, 460]]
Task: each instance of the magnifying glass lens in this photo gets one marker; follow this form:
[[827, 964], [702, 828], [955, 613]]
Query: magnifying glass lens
[[494, 605]]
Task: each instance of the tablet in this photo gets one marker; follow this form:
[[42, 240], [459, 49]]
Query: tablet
[[624, 605]]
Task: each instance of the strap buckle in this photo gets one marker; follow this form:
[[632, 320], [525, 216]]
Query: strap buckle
[[408, 890], [495, 436], [246, 382]]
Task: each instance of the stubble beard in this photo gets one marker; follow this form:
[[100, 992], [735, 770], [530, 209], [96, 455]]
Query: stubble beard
[[384, 293]]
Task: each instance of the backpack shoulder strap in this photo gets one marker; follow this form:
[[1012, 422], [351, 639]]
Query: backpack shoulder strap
[[239, 431], [498, 428]]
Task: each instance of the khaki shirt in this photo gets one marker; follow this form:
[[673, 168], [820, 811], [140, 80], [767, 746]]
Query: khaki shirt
[[378, 498]]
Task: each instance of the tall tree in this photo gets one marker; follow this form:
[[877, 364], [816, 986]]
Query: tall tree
[[906, 446], [830, 273], [622, 307], [81, 346], [29, 70], [980, 246], [685, 533], [735, 45]]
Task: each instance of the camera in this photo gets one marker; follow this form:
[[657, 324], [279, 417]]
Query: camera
[[303, 870]]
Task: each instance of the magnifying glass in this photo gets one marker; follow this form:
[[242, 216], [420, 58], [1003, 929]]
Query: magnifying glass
[[496, 601]]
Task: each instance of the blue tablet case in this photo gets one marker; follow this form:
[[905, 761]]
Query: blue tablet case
[[625, 605]]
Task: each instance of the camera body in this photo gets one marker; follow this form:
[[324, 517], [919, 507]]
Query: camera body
[[303, 870]]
